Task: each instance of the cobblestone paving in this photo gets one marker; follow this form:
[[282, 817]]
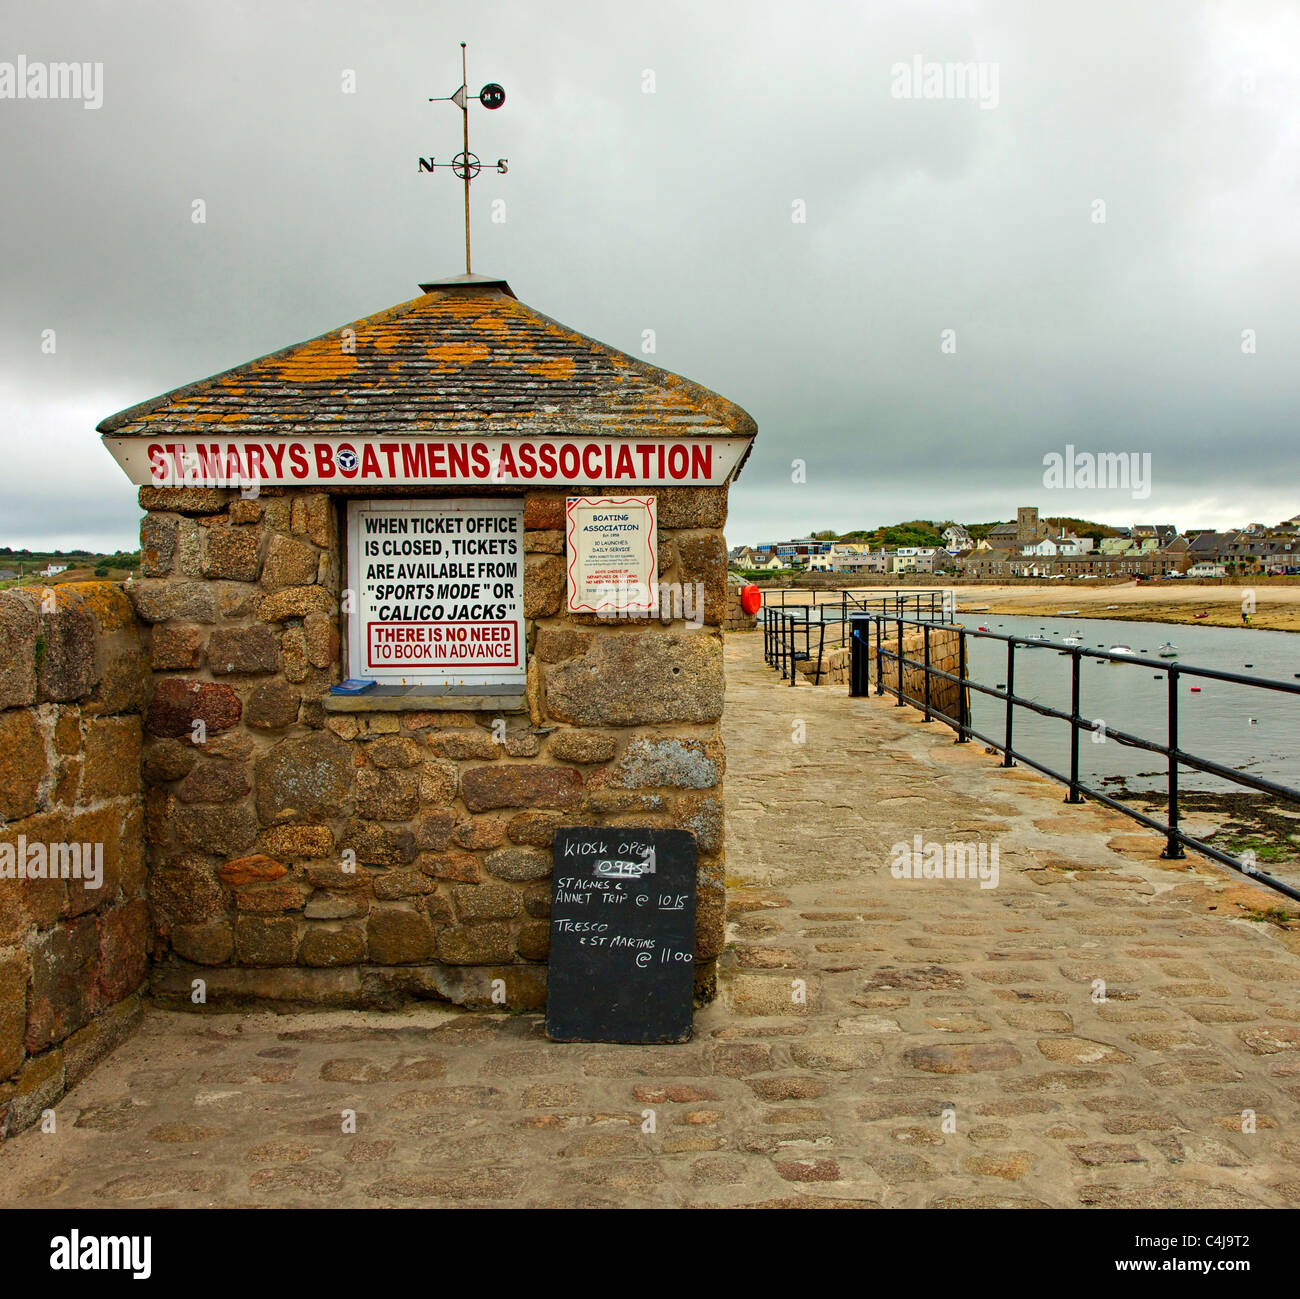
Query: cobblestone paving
[[924, 999]]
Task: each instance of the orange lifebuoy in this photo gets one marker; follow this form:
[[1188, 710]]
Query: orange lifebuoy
[[751, 598]]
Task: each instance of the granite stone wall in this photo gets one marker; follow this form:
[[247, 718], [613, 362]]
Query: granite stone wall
[[74, 925], [737, 619], [309, 851], [945, 655]]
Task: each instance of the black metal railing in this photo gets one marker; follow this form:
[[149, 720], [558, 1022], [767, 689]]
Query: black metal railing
[[871, 643], [801, 632]]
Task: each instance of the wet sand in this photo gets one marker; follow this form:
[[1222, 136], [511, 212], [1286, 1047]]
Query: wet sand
[[1277, 608]]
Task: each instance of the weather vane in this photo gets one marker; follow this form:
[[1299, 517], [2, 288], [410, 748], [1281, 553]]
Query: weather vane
[[465, 164]]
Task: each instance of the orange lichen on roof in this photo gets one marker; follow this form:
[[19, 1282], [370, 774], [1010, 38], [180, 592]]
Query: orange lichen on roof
[[317, 364], [553, 367], [455, 356], [459, 359]]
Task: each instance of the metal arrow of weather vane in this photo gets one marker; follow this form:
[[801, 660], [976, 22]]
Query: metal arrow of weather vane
[[465, 164]]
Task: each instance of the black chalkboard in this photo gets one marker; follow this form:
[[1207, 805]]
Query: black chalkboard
[[622, 935]]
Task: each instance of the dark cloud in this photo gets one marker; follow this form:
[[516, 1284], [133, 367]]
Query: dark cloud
[[671, 211]]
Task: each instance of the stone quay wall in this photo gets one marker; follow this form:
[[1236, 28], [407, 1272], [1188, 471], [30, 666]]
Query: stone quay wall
[[945, 654], [74, 928], [737, 619], [305, 856]]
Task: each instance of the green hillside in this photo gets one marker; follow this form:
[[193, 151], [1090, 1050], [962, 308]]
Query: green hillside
[[82, 565], [929, 532]]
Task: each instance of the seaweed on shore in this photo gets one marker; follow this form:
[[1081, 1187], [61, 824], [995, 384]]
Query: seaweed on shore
[[1246, 821]]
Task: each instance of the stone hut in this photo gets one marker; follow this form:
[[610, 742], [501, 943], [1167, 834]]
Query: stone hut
[[308, 847]]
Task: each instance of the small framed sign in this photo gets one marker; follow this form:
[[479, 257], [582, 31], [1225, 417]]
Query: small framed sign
[[613, 556]]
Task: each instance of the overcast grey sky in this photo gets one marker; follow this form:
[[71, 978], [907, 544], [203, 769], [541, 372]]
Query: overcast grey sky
[[674, 211]]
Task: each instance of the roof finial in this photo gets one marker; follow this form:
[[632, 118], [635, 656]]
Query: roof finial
[[465, 164]]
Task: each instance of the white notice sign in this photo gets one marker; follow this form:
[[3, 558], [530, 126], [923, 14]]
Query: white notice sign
[[439, 592], [612, 555]]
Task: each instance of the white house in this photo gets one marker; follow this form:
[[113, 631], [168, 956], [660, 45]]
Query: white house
[[1207, 570], [1064, 544], [1047, 548]]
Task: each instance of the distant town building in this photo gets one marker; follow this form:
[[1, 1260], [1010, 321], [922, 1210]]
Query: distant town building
[[1005, 536], [857, 557], [911, 559], [1029, 547], [1028, 527], [1210, 547]]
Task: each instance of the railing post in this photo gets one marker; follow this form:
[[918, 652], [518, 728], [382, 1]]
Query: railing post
[[963, 716], [1074, 796], [926, 635], [880, 654], [1173, 842], [1007, 759], [859, 656], [900, 663]]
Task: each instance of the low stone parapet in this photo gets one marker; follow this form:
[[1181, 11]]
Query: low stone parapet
[[735, 618], [834, 666], [74, 923]]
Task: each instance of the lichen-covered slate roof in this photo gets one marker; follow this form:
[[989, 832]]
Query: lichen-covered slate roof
[[461, 359]]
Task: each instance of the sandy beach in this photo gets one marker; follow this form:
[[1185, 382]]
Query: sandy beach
[[1277, 608]]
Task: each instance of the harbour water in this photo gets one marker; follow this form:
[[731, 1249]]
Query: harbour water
[[1255, 731]]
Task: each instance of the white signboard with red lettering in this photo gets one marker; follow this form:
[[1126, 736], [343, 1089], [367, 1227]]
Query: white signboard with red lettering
[[439, 592], [247, 462], [612, 558]]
